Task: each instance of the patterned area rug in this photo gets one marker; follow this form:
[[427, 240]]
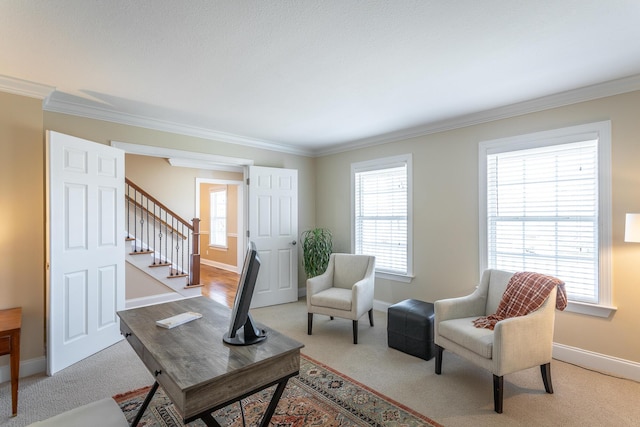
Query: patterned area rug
[[319, 396]]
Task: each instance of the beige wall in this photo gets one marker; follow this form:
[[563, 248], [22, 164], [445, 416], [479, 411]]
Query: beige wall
[[22, 220], [445, 177], [445, 207], [144, 286]]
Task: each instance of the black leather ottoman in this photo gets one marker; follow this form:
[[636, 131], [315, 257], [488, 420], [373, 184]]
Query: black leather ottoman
[[410, 328]]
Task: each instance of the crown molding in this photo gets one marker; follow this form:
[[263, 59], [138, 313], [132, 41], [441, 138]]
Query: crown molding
[[25, 88], [587, 93], [58, 105]]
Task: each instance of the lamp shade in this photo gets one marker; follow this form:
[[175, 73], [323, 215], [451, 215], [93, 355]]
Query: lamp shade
[[632, 228]]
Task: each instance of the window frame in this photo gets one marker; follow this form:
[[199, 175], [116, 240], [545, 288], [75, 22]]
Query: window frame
[[596, 130], [379, 164]]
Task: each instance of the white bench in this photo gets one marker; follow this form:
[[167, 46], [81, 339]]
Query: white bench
[[103, 413]]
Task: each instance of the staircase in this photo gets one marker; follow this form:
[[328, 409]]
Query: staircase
[[162, 244]]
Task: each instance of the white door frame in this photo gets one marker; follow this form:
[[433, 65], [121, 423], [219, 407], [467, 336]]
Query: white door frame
[[242, 245]]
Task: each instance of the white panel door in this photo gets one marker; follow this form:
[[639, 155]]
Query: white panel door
[[273, 227], [86, 248]]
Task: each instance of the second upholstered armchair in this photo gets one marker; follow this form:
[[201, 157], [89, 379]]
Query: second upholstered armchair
[[344, 290], [512, 344]]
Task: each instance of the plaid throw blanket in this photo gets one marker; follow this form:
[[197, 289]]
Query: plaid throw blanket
[[525, 293]]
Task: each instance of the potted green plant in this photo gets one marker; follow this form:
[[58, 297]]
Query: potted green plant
[[317, 245]]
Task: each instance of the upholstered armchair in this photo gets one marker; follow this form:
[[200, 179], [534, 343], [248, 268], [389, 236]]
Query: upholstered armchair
[[515, 343], [344, 290]]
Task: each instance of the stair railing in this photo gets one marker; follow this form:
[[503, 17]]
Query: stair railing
[[155, 229]]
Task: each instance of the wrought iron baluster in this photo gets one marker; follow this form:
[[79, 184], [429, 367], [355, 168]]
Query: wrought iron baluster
[[128, 210], [155, 221], [182, 269], [147, 209], [135, 220], [166, 238], [172, 239], [189, 252]]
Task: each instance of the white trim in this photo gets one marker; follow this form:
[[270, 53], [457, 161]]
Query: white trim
[[394, 277], [25, 88], [602, 363], [587, 93], [60, 102], [27, 368], [220, 265], [596, 310], [205, 165]]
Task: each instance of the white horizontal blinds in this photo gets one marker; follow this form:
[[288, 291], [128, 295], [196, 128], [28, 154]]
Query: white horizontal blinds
[[542, 207], [381, 216]]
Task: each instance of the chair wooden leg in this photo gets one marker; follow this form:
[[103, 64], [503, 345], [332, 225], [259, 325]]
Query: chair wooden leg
[[439, 351], [497, 393], [371, 317], [355, 332], [309, 323], [546, 377]]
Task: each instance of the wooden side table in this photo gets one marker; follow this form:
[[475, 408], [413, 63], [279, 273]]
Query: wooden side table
[[10, 324]]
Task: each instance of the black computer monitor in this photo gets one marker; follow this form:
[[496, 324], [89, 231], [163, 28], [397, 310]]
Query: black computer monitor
[[242, 330]]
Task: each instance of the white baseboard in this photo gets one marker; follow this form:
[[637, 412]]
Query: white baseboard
[[27, 368], [220, 265], [381, 306], [603, 363]]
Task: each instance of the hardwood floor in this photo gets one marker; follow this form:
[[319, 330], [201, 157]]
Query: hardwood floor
[[218, 284]]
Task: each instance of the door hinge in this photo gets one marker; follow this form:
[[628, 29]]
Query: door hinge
[[248, 233], [248, 179]]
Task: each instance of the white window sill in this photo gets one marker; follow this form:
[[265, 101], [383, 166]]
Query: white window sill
[[219, 247], [395, 277], [596, 310]]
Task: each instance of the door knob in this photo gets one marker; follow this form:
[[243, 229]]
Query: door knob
[[294, 243]]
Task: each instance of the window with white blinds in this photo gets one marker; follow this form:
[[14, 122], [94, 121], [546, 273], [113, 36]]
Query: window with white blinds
[[381, 213], [544, 210]]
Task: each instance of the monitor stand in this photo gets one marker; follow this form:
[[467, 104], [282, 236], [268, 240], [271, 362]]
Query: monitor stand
[[247, 335]]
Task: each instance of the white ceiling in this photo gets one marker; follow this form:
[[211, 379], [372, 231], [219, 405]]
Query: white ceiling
[[310, 76]]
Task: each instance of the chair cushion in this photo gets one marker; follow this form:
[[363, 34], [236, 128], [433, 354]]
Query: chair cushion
[[103, 413], [463, 332], [337, 298]]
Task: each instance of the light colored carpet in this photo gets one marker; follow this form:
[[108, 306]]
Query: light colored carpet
[[104, 374], [461, 396]]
